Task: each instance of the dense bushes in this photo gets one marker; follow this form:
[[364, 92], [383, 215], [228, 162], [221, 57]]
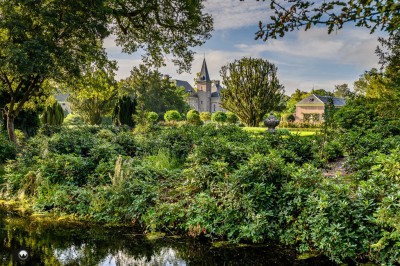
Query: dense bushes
[[223, 183], [7, 148]]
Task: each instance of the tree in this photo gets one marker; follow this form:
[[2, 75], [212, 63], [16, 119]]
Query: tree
[[153, 92], [55, 40], [93, 96], [321, 92], [383, 88], [252, 89], [53, 114], [219, 117], [172, 116], [295, 14], [343, 91], [296, 97], [123, 111], [45, 40]]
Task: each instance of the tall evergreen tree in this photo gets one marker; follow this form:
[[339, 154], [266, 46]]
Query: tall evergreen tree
[[123, 111]]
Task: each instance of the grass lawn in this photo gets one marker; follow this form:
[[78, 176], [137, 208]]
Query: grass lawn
[[298, 131]]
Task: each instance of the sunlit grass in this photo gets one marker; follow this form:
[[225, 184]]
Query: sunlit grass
[[297, 131]]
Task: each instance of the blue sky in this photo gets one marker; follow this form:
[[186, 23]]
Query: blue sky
[[304, 59]]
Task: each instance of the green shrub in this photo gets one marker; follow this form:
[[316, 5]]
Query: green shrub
[[77, 140], [193, 117], [333, 150], [152, 117], [172, 116], [231, 118], [7, 148], [66, 169], [205, 116], [219, 117], [73, 120]]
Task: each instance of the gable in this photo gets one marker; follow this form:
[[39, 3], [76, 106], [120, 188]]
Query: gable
[[316, 100], [311, 100]]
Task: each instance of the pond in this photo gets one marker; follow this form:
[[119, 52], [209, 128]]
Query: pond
[[51, 242]]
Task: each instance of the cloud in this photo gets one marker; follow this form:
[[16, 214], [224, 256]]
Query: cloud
[[350, 46], [232, 14]]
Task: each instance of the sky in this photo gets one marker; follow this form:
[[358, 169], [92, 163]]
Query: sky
[[305, 59]]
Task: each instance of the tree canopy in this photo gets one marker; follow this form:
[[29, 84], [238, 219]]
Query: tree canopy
[[153, 92], [383, 87], [292, 15], [252, 89], [94, 95], [55, 40]]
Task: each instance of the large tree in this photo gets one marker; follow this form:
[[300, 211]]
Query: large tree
[[55, 39], [343, 91], [153, 92], [290, 15], [93, 96], [252, 89], [296, 97], [383, 87]]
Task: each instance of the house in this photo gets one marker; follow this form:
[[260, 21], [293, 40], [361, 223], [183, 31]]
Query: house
[[207, 95], [312, 108]]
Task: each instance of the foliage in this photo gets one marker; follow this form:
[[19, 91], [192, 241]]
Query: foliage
[[296, 14], [172, 116], [219, 117], [123, 111], [57, 40], [53, 115], [231, 118], [252, 89], [193, 117], [73, 120], [222, 182], [297, 96], [359, 112], [93, 96], [33, 55], [205, 116], [152, 117], [7, 148], [288, 117], [153, 93], [343, 91]]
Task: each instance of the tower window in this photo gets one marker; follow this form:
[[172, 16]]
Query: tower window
[[201, 102], [214, 107]]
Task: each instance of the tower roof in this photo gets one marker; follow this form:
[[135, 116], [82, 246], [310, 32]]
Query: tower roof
[[204, 76]]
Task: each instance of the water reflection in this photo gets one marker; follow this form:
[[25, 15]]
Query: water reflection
[[58, 243]]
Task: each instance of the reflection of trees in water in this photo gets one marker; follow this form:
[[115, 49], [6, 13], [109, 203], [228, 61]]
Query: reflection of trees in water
[[74, 255], [54, 243], [57, 243]]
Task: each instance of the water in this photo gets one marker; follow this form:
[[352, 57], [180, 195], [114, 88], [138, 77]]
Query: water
[[51, 242]]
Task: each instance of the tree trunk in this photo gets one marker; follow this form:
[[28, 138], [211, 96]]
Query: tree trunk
[[10, 128]]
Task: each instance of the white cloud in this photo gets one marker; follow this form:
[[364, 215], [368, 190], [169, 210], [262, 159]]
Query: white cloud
[[231, 14]]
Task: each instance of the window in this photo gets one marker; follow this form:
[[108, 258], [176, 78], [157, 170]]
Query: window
[[201, 102], [214, 107]]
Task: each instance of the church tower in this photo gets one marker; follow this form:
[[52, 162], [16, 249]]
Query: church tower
[[204, 89]]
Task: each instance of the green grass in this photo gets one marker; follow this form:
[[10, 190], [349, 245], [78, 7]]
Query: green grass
[[298, 131]]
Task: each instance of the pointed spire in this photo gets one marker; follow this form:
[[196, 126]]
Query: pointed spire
[[204, 76]]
